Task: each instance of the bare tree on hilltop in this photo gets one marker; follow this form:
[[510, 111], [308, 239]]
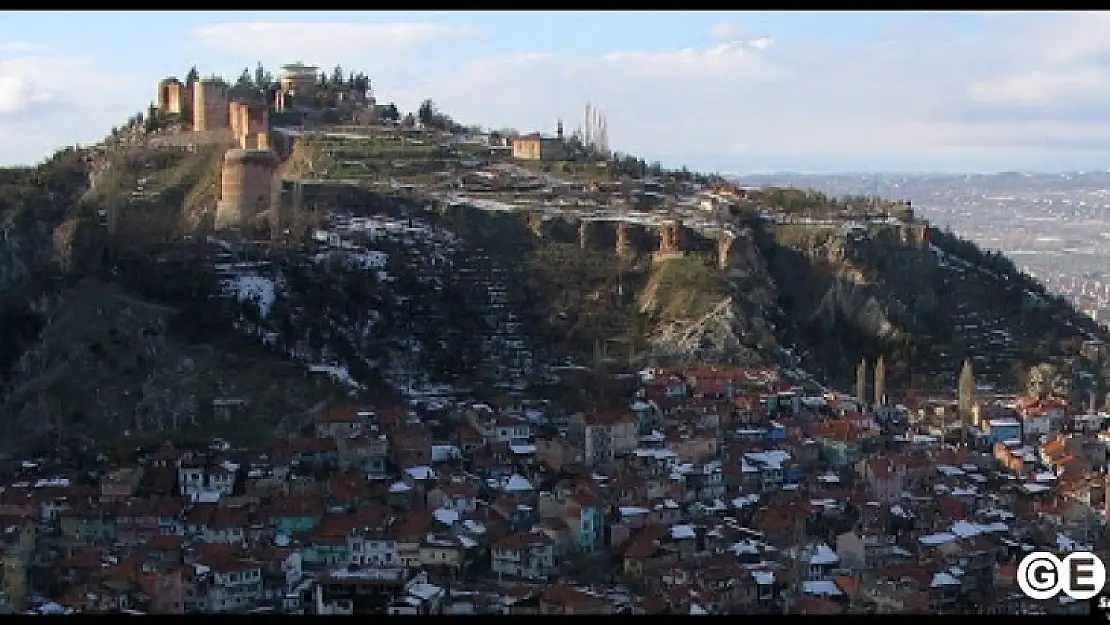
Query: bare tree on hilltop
[[390, 112]]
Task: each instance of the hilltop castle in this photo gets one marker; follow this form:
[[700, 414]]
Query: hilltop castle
[[249, 174]]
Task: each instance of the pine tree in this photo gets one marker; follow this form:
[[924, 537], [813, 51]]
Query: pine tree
[[260, 78], [244, 79]]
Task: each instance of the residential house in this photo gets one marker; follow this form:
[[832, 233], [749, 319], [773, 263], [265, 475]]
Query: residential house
[[410, 445], [373, 547], [339, 422], [565, 600], [293, 514], [999, 430], [839, 442], [535, 147], [555, 452], [89, 524], [312, 453], [581, 510], [607, 436], [1035, 423], [454, 495], [121, 484], [135, 521], [648, 550], [366, 451], [328, 544], [527, 555], [199, 481], [696, 445], [226, 526], [646, 415], [885, 477], [468, 438], [505, 429], [164, 585], [410, 534], [358, 592], [236, 583], [768, 467], [441, 552]]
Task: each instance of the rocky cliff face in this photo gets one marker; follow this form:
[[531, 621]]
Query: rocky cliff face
[[734, 321], [141, 338]]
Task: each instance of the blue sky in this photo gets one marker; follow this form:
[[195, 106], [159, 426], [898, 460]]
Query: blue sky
[[724, 91]]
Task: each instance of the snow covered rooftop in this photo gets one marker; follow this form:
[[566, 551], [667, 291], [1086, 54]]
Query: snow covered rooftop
[[425, 591], [821, 588], [421, 473], [745, 500], [680, 532], [944, 579], [1033, 489], [447, 516], [772, 459], [764, 578], [824, 555], [933, 540], [965, 529], [517, 483]]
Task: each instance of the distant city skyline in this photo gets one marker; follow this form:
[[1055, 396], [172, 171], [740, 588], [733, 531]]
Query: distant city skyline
[[738, 92]]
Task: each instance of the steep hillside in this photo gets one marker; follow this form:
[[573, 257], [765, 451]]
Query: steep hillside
[[847, 295], [817, 295], [117, 318], [102, 334], [106, 360]]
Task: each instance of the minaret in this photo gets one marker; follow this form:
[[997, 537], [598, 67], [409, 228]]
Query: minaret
[[861, 382], [966, 397], [966, 389], [559, 130], [880, 382]]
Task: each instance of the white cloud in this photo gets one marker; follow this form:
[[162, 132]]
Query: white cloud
[[20, 94], [324, 42], [1018, 89], [1022, 88], [1041, 86], [21, 47], [727, 31], [48, 101]]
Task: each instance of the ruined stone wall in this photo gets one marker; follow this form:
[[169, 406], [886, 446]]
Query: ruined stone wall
[[171, 97], [211, 108], [246, 186]]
